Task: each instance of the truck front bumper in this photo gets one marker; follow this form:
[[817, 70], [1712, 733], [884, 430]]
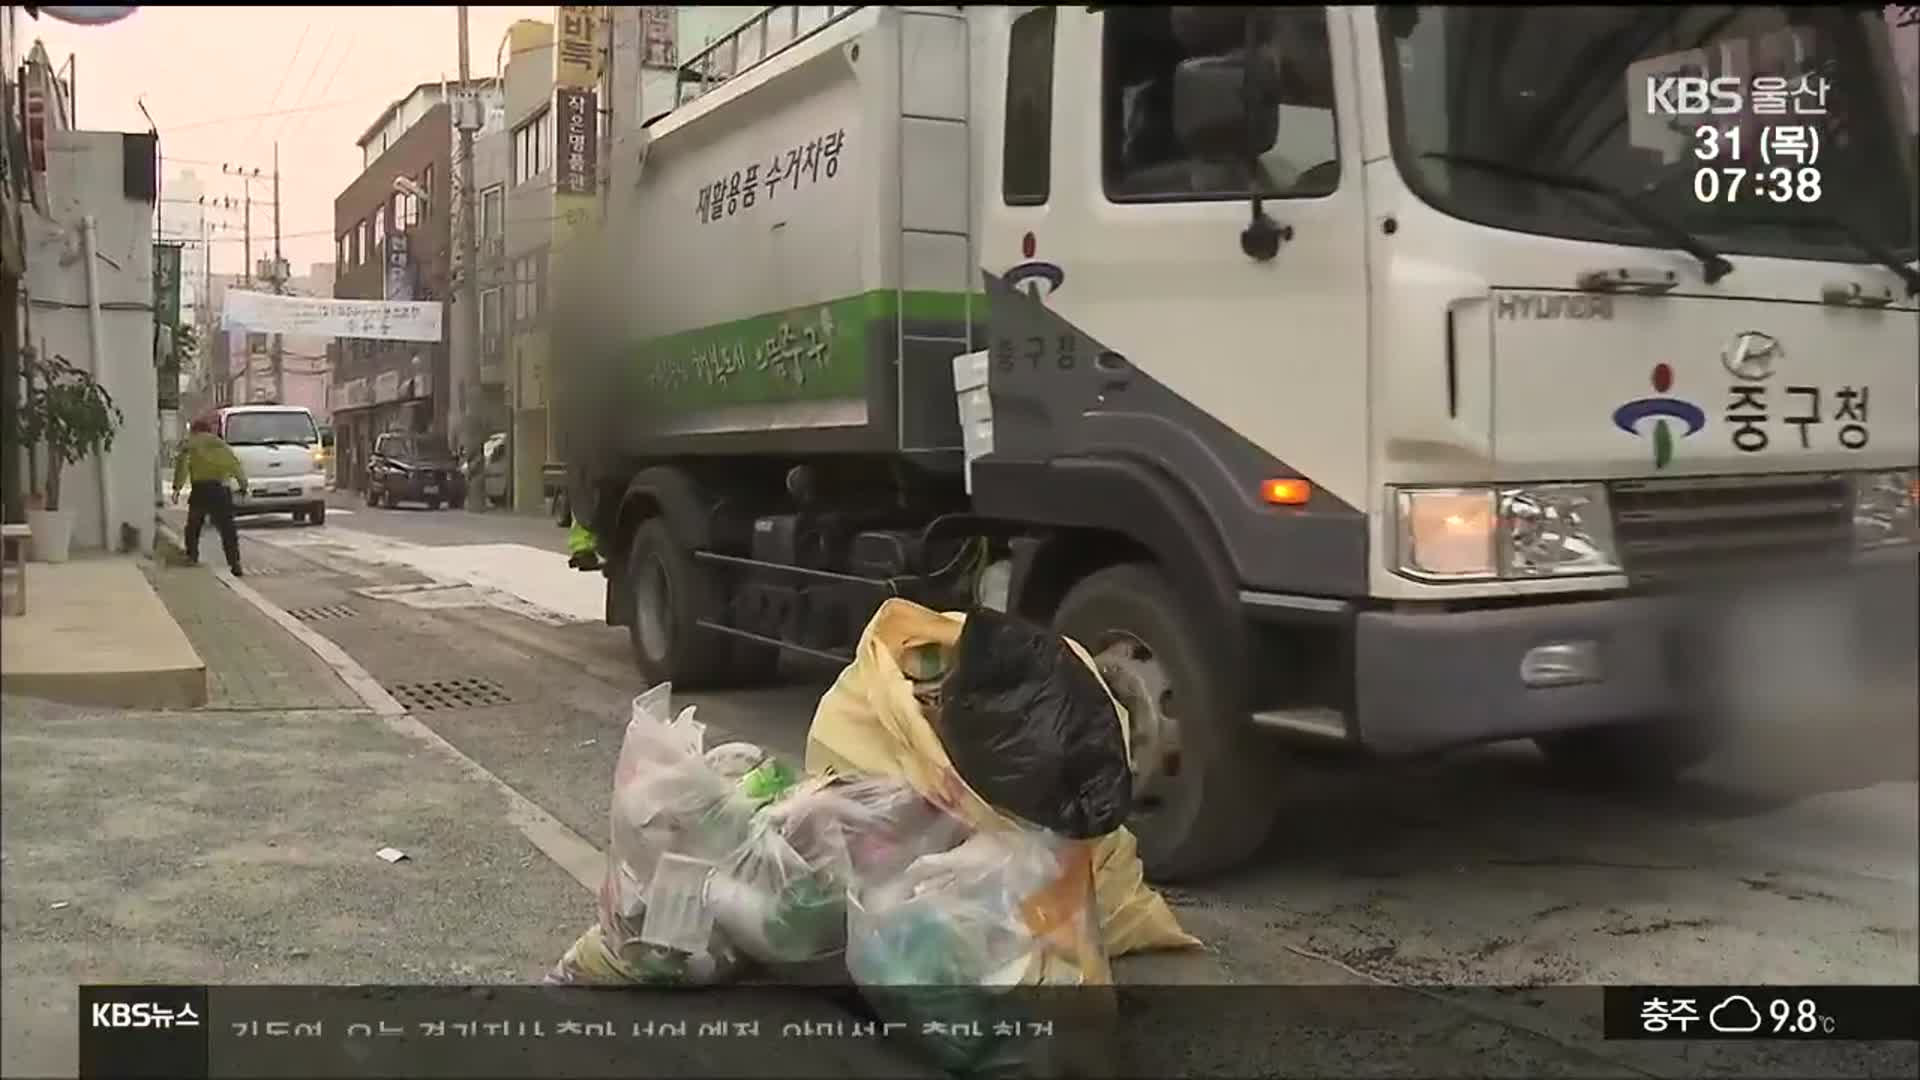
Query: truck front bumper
[[281, 494], [1431, 680]]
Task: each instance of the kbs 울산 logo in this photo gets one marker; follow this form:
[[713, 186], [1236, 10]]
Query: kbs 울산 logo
[[1663, 411]]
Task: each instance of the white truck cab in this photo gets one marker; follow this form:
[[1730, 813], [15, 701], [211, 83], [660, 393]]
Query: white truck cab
[[279, 447], [1407, 377]]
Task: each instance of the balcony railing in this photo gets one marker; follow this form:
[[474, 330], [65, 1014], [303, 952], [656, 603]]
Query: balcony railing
[[752, 43]]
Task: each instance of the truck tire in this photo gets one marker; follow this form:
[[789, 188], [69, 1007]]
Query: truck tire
[[317, 514], [671, 594], [1639, 755], [1203, 797]]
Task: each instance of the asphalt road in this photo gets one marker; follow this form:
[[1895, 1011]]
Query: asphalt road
[[1792, 860]]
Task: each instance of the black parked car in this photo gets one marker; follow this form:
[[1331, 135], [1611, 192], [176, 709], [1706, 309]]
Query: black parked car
[[413, 468]]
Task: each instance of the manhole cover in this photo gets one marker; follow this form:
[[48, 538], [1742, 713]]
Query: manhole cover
[[451, 694], [323, 611]]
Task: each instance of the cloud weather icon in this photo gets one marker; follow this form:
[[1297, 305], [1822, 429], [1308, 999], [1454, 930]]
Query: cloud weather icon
[[1735, 1016]]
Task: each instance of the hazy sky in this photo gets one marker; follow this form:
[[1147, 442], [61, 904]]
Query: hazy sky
[[321, 74]]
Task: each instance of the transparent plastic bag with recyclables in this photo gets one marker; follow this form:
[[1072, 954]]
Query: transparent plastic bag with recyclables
[[781, 897], [670, 795]]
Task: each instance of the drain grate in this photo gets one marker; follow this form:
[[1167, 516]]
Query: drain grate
[[450, 694], [323, 611]]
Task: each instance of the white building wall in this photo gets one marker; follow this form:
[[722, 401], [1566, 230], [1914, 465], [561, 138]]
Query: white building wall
[[84, 178]]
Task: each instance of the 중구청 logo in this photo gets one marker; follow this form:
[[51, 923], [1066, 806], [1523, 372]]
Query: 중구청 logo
[[1662, 410]]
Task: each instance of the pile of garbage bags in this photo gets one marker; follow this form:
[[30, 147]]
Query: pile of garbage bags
[[958, 827]]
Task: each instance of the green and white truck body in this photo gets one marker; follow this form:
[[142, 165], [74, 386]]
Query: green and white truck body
[[1478, 423]]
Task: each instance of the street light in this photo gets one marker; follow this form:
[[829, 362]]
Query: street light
[[406, 186]]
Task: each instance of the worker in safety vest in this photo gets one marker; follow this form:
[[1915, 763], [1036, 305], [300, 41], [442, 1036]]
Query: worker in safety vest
[[209, 465], [581, 544]]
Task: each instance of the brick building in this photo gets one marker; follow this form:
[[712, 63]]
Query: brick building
[[392, 235]]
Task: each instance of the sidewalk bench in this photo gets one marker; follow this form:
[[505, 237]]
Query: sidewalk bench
[[13, 562]]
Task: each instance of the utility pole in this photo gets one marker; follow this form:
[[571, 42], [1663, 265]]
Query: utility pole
[[246, 242], [471, 434], [279, 287], [209, 320], [246, 228], [247, 177]]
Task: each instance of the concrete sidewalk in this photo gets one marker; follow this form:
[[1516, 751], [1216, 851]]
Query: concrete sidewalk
[[239, 846], [94, 633], [251, 662]]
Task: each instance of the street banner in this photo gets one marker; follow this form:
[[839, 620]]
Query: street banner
[[577, 59], [576, 126], [578, 131], [399, 278], [657, 36], [376, 320], [166, 284]]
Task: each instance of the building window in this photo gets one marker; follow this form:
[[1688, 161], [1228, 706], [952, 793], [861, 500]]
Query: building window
[[490, 318], [366, 244], [426, 186], [340, 250], [379, 231], [1143, 161], [353, 246], [533, 147], [492, 220], [522, 270]]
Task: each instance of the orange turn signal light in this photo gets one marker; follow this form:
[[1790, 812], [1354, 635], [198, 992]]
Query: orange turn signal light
[[1286, 491]]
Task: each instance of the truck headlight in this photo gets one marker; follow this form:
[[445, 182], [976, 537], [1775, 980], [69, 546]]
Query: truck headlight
[[1884, 510], [1522, 531]]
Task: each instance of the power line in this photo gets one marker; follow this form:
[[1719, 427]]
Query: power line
[[280, 124], [243, 117], [284, 73], [353, 42]]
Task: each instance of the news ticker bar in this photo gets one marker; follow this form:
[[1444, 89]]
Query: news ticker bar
[[184, 1032]]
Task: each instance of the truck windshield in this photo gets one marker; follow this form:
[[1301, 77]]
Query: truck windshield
[[1583, 93], [263, 428]]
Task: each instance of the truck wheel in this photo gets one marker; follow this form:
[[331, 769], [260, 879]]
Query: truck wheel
[[562, 513], [671, 593], [373, 495], [1638, 755], [1203, 800]]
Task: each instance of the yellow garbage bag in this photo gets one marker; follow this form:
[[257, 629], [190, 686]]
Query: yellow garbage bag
[[869, 723]]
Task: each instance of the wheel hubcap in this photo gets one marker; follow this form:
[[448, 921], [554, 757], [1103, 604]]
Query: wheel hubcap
[[651, 604], [1140, 682]]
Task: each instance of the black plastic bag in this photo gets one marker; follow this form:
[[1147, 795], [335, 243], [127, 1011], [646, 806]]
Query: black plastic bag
[[1031, 729]]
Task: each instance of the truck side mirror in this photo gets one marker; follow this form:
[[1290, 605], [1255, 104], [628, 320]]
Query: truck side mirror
[[1221, 108]]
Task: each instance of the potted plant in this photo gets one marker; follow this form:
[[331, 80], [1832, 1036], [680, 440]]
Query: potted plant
[[68, 412]]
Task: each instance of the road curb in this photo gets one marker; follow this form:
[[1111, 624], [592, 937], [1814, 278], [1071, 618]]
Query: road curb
[[568, 850]]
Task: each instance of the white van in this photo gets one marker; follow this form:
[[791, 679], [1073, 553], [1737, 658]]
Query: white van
[[279, 447]]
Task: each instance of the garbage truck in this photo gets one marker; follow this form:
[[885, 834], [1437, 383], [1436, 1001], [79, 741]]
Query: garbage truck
[[1392, 379]]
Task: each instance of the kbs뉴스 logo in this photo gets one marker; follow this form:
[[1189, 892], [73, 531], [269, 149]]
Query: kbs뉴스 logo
[[1662, 410]]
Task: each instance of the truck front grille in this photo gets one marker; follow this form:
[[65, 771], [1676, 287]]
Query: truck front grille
[[1716, 525]]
